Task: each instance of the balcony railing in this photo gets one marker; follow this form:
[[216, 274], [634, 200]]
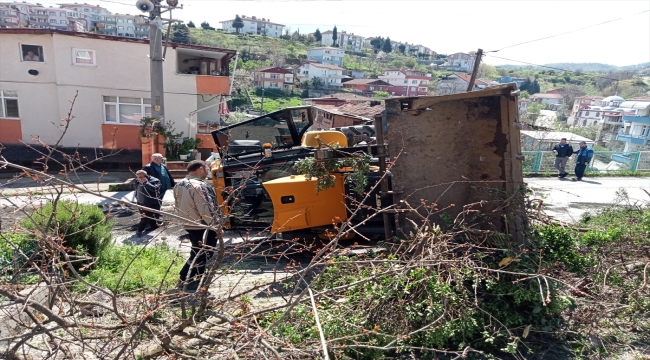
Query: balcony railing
[[634, 139], [637, 119]]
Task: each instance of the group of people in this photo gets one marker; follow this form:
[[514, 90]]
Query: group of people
[[563, 151], [196, 203]]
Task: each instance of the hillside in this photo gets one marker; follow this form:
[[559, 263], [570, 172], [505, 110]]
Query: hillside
[[584, 67]]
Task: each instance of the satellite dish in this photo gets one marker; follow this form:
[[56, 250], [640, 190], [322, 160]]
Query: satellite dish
[[145, 5]]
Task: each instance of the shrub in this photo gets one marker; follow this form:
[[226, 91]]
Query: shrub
[[148, 269], [84, 227]]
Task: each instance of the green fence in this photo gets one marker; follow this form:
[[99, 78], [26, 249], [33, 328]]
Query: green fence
[[541, 162]]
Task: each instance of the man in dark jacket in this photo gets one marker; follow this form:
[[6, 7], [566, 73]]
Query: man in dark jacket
[[563, 152], [157, 169], [146, 192], [585, 154]]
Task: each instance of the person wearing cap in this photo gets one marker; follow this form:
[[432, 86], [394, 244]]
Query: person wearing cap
[[563, 152], [585, 154]]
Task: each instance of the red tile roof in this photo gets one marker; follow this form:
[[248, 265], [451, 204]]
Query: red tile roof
[[368, 82], [275, 70], [347, 96]]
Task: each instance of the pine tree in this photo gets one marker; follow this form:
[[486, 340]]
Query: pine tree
[[238, 24], [318, 35], [334, 36], [191, 24], [387, 46]]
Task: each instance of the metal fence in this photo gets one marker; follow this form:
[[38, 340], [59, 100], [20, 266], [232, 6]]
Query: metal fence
[[540, 162]]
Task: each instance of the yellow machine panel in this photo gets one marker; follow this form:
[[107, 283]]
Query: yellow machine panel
[[329, 137], [297, 205], [219, 183]]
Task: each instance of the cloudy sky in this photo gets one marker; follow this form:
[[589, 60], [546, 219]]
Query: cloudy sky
[[459, 25]]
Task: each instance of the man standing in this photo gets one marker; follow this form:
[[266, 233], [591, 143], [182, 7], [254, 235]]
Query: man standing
[[157, 169], [31, 57], [147, 195], [563, 152], [197, 201], [585, 154]]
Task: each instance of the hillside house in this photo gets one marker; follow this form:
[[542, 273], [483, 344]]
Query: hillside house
[[330, 75], [460, 62], [636, 127], [273, 78], [458, 83], [255, 25], [326, 55], [406, 82], [332, 116], [367, 85], [112, 77], [547, 99]]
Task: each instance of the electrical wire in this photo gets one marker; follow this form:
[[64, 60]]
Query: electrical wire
[[548, 67], [569, 32]]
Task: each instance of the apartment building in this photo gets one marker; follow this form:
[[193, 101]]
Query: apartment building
[[460, 62], [636, 127], [255, 25], [273, 78], [458, 83], [42, 70], [330, 75], [326, 55], [406, 82]]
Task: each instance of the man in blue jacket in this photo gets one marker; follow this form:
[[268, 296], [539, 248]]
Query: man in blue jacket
[[585, 154], [563, 152], [157, 169], [146, 194]]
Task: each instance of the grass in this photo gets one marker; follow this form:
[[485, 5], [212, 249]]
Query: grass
[[148, 270], [276, 101]]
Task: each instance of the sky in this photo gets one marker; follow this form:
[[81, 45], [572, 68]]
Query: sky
[[456, 26]]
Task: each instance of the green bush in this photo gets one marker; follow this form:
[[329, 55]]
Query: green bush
[[148, 269], [84, 227], [561, 244]]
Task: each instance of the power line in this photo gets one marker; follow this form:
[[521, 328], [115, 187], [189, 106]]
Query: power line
[[568, 32], [548, 67]]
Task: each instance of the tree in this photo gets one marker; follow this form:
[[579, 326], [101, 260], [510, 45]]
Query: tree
[[523, 94], [402, 48], [191, 24], [180, 34], [487, 71], [206, 26], [334, 36], [238, 24], [377, 43], [387, 46], [318, 35]]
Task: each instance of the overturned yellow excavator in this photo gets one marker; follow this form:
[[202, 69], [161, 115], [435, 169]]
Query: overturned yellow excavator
[[417, 145]]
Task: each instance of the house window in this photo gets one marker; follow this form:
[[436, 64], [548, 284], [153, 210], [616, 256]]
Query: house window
[[372, 88], [129, 28], [413, 88], [64, 22], [274, 85], [406, 81], [52, 21], [125, 110], [120, 20], [120, 28], [414, 82], [52, 13], [86, 10], [70, 14], [32, 53], [130, 21], [83, 57], [9, 104], [586, 113], [275, 76]]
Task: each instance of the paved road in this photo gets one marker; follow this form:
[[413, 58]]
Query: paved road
[[567, 200]]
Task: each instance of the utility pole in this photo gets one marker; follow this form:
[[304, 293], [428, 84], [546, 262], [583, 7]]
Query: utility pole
[[262, 107], [156, 68], [477, 62]]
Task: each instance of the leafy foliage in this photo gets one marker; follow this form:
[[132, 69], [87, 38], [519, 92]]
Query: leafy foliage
[[84, 228], [322, 170], [142, 267], [238, 23], [318, 35]]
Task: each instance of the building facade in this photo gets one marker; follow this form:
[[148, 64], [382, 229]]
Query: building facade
[[330, 75], [407, 82], [458, 83], [110, 78], [367, 85], [255, 25], [273, 78], [636, 127], [460, 62], [326, 55]]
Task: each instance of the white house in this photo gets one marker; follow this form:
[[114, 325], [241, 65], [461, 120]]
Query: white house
[[326, 55], [636, 131], [110, 77], [255, 25], [548, 99], [331, 75], [460, 61]]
